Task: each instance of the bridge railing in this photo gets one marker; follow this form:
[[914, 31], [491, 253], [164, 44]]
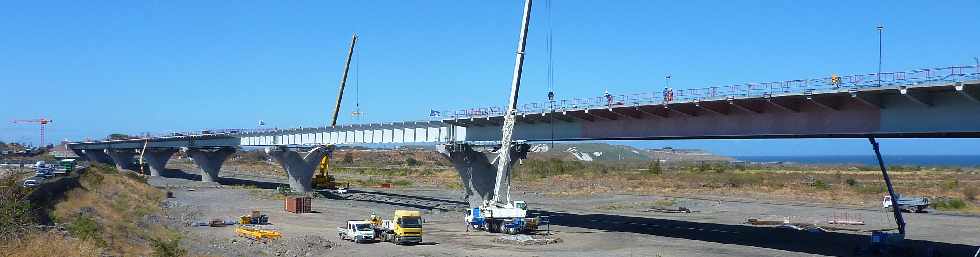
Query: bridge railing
[[834, 83]]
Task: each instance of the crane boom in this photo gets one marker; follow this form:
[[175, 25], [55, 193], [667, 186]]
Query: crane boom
[[504, 155], [343, 81]]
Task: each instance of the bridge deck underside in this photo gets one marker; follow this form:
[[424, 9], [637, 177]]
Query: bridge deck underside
[[942, 111]]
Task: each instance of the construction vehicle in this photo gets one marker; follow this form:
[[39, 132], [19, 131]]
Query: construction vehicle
[[500, 214], [909, 204], [403, 228], [254, 218], [357, 231], [323, 179], [257, 232], [510, 219]]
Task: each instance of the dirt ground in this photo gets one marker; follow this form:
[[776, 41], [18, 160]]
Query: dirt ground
[[594, 225]]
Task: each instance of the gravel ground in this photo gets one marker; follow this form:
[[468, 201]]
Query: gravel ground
[[598, 225]]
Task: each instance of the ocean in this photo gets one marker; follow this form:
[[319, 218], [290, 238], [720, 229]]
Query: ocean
[[914, 160]]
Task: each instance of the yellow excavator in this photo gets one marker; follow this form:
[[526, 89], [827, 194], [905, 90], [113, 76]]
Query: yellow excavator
[[323, 180]]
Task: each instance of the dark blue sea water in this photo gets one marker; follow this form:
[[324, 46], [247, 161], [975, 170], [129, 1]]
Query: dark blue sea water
[[916, 160]]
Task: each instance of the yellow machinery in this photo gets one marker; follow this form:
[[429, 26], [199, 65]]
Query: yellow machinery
[[404, 228], [256, 232], [323, 180]]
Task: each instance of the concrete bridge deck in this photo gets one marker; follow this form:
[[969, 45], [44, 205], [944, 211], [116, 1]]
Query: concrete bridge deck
[[935, 103]]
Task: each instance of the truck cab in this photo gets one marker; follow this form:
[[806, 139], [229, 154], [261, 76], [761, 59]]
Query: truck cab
[[358, 231], [404, 228]]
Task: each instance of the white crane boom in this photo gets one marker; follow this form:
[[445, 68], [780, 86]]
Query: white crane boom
[[504, 155]]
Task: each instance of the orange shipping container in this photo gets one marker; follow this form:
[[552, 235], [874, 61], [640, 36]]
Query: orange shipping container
[[299, 204]]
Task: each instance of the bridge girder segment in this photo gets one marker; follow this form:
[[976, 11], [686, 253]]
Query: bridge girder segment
[[969, 91], [715, 107], [916, 95]]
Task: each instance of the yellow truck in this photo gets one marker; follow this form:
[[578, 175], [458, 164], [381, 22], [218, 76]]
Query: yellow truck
[[404, 228]]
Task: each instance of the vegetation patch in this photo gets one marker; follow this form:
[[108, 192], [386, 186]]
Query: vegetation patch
[[114, 211], [949, 204]]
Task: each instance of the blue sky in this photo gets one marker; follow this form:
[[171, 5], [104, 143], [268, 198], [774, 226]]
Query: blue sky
[[99, 67]]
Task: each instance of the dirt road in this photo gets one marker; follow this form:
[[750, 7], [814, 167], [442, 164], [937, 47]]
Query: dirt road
[[598, 225]]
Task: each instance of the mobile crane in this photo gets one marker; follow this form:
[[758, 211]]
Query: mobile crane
[[500, 214], [323, 179]]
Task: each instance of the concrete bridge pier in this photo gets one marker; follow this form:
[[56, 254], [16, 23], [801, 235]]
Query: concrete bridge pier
[[123, 158], [300, 169], [97, 156], [210, 160], [157, 159], [477, 172]]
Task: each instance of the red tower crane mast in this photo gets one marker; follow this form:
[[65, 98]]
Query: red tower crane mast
[[42, 122]]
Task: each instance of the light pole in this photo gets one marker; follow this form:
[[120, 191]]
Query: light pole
[[881, 29], [977, 61]]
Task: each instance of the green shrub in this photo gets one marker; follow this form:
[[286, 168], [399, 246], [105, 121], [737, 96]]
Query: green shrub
[[819, 184], [167, 248], [135, 177], [411, 161], [86, 228], [851, 182], [949, 204], [655, 168], [15, 210]]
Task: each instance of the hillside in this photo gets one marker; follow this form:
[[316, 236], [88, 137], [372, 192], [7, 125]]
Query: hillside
[[611, 152], [101, 212]]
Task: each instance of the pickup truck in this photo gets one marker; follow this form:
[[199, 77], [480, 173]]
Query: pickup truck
[[358, 231], [909, 204]]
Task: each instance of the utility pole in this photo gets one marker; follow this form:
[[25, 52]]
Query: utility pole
[[343, 80], [977, 61], [880, 31], [503, 159]]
